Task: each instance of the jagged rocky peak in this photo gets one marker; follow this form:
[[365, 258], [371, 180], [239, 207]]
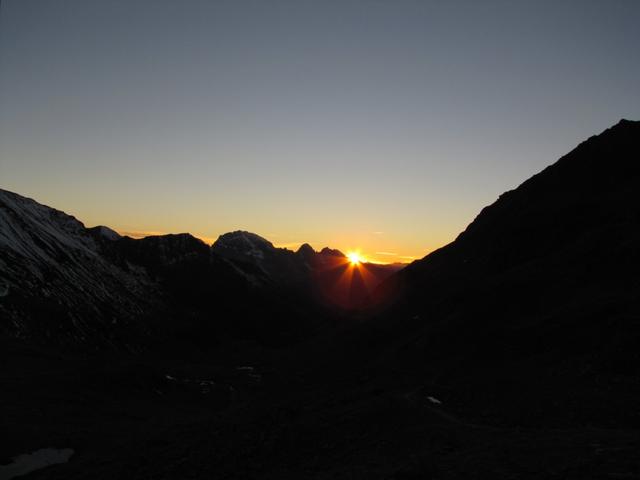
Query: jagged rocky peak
[[242, 237], [178, 243], [185, 239], [305, 248], [306, 251], [307, 254], [331, 252], [164, 250], [242, 243]]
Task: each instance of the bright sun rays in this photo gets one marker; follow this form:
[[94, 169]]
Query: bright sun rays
[[355, 258]]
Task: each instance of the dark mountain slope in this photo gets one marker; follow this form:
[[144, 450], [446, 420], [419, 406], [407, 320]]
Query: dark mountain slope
[[61, 283], [56, 283], [589, 193], [542, 288]]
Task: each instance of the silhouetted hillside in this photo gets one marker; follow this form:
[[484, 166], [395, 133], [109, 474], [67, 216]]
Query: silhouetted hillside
[[58, 286], [540, 290]]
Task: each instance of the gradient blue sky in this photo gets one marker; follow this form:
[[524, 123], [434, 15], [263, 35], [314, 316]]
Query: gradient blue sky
[[379, 125]]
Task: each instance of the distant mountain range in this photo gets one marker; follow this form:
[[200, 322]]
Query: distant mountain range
[[562, 245], [62, 281]]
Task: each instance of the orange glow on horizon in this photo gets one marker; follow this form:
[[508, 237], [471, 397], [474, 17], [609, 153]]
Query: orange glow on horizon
[[354, 257]]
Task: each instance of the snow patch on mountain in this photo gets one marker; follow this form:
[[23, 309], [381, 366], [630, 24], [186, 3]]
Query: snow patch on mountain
[[57, 275]]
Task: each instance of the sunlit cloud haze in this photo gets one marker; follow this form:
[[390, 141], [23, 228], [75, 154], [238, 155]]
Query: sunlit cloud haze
[[382, 126]]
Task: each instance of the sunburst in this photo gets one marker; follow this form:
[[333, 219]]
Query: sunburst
[[355, 258]]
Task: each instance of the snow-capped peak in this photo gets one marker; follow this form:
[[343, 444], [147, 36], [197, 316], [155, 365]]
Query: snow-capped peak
[[243, 243]]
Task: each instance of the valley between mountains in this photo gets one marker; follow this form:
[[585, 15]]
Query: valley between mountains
[[511, 352]]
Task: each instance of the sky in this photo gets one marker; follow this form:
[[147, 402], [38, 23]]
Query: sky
[[378, 125]]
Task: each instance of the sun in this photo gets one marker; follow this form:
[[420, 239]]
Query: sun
[[355, 258]]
